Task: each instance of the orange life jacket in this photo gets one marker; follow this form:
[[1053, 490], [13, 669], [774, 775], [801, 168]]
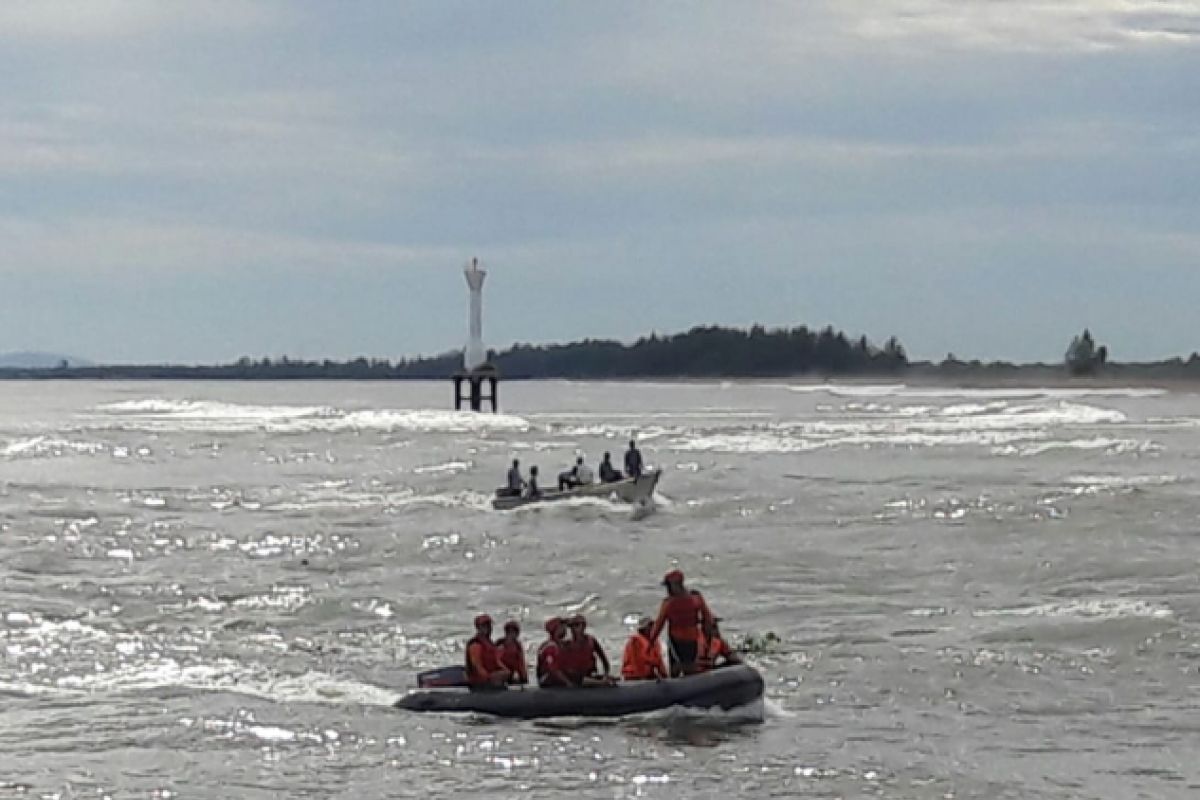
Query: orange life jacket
[[709, 650], [640, 658], [489, 658]]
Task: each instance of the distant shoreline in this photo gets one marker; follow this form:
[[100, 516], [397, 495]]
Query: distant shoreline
[[1153, 375], [704, 353]]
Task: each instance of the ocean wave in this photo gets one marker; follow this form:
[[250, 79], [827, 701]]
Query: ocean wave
[[1009, 393], [388, 501], [1107, 444], [49, 446], [1094, 484], [1107, 608], [1012, 429], [217, 417]]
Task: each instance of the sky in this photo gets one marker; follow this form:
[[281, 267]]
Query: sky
[[192, 182]]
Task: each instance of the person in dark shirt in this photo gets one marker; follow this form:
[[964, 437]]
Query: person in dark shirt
[[609, 473], [531, 487], [515, 484], [633, 461]]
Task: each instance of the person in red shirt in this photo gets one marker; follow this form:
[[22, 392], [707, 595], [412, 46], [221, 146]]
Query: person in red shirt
[[714, 650], [484, 670], [582, 653], [642, 660], [686, 615], [550, 665], [512, 653]]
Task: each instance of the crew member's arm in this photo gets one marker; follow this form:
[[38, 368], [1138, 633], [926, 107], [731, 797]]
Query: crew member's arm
[[522, 671], [728, 653], [599, 651], [706, 616], [657, 668], [660, 622]]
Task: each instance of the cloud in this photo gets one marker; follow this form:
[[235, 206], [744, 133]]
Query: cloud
[[1028, 25], [58, 20], [114, 245]]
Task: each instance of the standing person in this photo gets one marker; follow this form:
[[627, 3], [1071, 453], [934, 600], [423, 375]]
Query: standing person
[[609, 473], [515, 484], [633, 461], [484, 670], [512, 653], [550, 657], [642, 660], [583, 652], [687, 616], [714, 650]]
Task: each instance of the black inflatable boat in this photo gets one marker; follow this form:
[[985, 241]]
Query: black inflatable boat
[[725, 688]]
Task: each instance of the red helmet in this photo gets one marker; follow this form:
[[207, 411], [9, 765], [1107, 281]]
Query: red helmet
[[553, 624], [512, 625], [674, 576], [482, 619]]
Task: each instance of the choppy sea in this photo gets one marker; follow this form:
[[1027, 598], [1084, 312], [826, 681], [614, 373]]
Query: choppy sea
[[215, 590]]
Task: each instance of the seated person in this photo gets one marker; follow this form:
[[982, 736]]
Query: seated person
[[713, 650], [531, 487], [609, 473], [643, 659], [550, 672], [582, 652], [512, 654], [577, 475], [484, 670], [515, 484]]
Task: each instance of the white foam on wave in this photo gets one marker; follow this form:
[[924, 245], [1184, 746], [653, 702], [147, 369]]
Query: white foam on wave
[[217, 417], [601, 503], [225, 675], [388, 501], [44, 446], [1108, 444], [1094, 484], [1016, 429], [450, 467], [1008, 393], [1102, 609]]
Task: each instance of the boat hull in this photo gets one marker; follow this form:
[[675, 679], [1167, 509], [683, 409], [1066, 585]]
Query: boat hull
[[630, 490], [725, 688]]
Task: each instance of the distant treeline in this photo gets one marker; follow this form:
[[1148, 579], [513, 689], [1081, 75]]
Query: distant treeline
[[702, 352]]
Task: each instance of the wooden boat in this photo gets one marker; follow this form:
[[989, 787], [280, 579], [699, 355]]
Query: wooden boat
[[724, 688], [629, 490]]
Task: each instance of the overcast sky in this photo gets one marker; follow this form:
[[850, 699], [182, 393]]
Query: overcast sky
[[194, 181]]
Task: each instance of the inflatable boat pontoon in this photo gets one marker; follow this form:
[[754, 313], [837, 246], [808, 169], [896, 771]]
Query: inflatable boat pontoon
[[725, 688]]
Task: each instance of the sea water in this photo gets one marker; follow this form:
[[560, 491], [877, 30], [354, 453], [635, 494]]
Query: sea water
[[217, 590]]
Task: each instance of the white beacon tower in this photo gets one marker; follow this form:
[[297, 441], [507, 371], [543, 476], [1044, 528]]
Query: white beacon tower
[[474, 355]]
